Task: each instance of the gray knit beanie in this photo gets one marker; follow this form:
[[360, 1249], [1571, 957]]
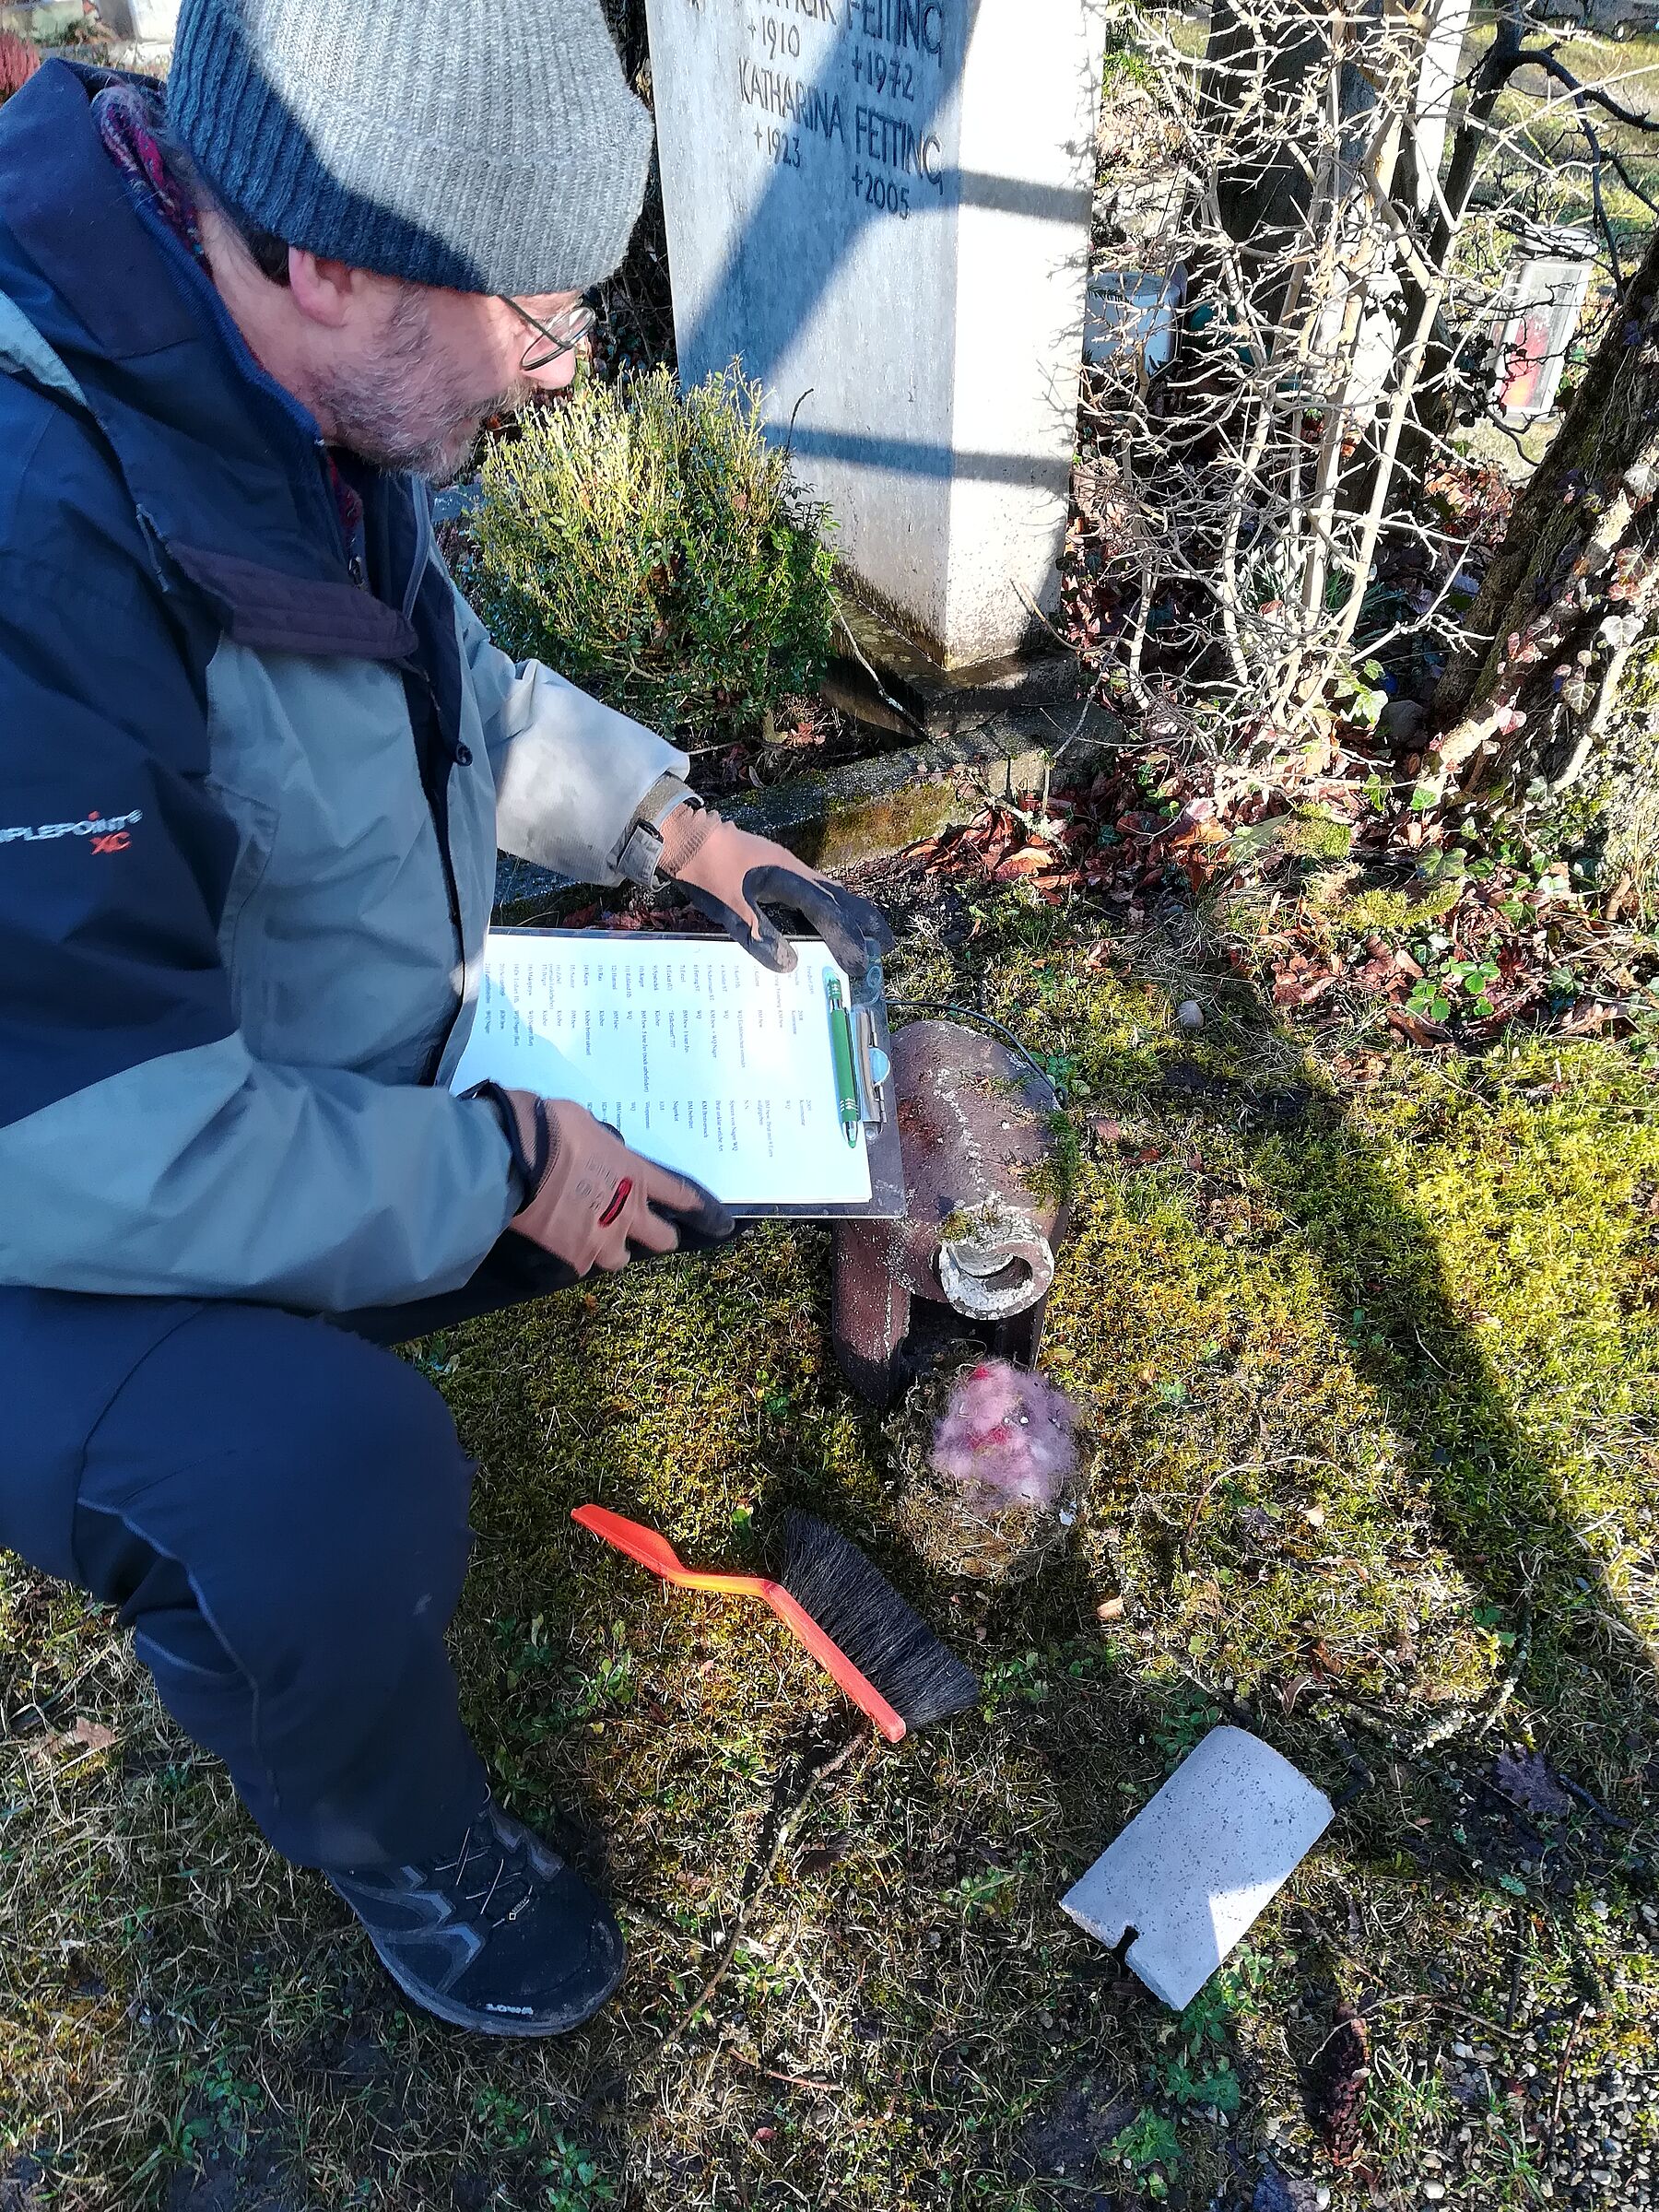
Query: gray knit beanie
[[488, 146]]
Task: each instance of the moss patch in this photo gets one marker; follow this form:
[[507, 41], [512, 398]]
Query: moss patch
[[859, 825], [1391, 914], [1373, 1376]]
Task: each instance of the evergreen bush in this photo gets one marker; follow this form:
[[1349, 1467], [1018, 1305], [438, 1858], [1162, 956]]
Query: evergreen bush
[[656, 550]]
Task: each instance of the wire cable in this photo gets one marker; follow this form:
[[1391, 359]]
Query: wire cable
[[940, 1006]]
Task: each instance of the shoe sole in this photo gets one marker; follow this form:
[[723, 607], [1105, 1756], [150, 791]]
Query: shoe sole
[[495, 2023]]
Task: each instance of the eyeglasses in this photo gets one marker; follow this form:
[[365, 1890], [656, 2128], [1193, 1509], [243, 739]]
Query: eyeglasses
[[554, 340]]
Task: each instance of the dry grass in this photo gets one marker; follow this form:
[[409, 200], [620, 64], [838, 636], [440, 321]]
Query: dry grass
[[1377, 1377]]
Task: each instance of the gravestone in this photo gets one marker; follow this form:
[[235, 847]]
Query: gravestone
[[881, 208], [1447, 24], [148, 24]]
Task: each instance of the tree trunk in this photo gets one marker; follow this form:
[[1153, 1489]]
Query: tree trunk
[[1257, 63], [1559, 677], [1266, 63]]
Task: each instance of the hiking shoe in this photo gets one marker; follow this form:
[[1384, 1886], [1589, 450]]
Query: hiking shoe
[[501, 1936]]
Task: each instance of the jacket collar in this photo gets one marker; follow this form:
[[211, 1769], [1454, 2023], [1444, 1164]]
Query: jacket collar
[[226, 471]]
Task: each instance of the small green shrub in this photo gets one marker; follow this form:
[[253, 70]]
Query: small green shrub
[[657, 550]]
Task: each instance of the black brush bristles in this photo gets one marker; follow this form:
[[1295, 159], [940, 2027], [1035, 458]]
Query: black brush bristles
[[861, 1613]]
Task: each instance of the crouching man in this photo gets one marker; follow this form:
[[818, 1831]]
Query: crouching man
[[256, 755]]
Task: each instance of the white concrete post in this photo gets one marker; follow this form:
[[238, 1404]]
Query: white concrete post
[[882, 207]]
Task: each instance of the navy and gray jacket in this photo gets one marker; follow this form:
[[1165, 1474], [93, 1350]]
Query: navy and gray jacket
[[249, 809]]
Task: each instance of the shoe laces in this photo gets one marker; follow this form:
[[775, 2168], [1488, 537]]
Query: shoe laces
[[503, 1884]]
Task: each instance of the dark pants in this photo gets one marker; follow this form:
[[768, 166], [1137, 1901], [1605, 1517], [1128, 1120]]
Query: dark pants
[[278, 1507]]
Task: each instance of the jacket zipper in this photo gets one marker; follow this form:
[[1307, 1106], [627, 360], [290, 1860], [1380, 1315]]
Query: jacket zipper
[[443, 767], [452, 757], [423, 549]]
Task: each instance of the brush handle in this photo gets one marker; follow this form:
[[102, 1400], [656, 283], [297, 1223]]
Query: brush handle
[[645, 1544], [651, 1550], [834, 1660]]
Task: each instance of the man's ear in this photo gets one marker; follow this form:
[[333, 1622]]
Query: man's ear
[[325, 292]]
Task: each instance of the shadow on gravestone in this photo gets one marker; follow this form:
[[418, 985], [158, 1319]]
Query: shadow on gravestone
[[760, 301], [881, 209]]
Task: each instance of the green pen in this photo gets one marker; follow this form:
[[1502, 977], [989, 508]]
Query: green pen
[[840, 1047]]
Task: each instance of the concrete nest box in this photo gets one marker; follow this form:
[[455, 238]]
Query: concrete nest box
[[974, 1255]]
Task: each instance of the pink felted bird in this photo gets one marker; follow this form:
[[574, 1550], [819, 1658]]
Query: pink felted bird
[[1005, 1437]]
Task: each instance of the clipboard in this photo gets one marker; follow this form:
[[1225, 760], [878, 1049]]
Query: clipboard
[[836, 1060]]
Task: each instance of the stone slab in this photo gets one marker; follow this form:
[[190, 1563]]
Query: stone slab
[[148, 23], [456, 501], [881, 208], [1198, 1863], [878, 806], [1437, 81], [42, 20], [1133, 315]]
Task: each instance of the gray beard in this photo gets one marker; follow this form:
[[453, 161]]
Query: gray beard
[[377, 423]]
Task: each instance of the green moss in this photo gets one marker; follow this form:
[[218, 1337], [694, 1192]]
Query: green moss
[[1393, 913], [862, 824], [1051, 1182], [1431, 1319], [1303, 834], [1374, 1387], [1258, 1545], [1314, 836]]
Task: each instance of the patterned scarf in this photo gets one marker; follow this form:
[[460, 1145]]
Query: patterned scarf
[[126, 119]]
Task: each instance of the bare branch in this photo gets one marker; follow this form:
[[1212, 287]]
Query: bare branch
[[1269, 513], [1544, 58]]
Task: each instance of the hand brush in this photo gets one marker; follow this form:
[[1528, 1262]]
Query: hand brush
[[829, 1596]]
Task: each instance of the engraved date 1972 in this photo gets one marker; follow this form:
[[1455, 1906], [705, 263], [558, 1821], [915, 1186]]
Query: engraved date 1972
[[894, 79]]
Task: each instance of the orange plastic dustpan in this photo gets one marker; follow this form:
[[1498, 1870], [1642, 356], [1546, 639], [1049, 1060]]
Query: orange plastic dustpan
[[655, 1552]]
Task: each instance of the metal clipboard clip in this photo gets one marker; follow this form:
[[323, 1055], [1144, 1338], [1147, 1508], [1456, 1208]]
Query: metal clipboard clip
[[871, 1066]]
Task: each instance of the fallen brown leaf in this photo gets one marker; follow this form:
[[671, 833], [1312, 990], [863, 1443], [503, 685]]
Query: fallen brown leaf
[[1335, 2085], [1030, 860], [1416, 1028]]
